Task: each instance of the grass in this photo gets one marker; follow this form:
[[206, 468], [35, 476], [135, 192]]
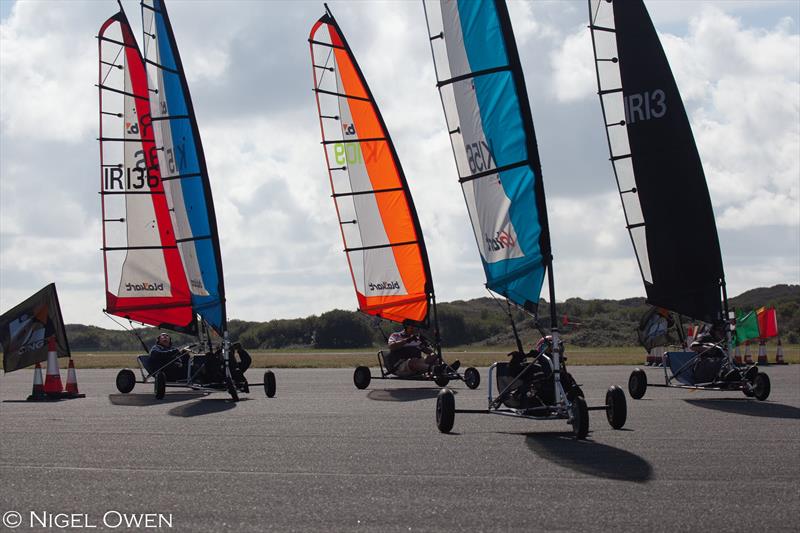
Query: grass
[[469, 356]]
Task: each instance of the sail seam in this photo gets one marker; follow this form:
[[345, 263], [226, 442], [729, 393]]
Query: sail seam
[[342, 95], [378, 246], [368, 139], [495, 170], [373, 191]]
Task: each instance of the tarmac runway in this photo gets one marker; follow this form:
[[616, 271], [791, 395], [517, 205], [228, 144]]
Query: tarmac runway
[[323, 456]]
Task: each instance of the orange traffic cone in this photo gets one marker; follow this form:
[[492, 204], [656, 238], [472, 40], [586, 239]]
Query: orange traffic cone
[[748, 359], [38, 386], [52, 383], [779, 354], [71, 390], [737, 355], [762, 353]]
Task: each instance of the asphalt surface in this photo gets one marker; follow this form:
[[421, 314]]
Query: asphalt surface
[[323, 456]]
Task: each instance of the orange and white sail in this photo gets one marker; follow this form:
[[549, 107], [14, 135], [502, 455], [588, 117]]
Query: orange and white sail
[[382, 237]]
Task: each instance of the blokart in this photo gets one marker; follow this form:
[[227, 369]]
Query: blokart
[[710, 369], [191, 370], [441, 373], [536, 386]]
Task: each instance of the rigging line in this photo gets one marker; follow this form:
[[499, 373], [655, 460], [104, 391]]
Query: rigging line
[[131, 330], [109, 69], [327, 60]]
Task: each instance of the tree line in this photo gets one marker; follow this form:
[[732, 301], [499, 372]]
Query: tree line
[[478, 322]]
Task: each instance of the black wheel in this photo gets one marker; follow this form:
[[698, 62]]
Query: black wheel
[[269, 384], [574, 392], [232, 389], [580, 418], [362, 377], [616, 407], [472, 378], [445, 410], [442, 381], [637, 384], [126, 380], [160, 385], [761, 386]]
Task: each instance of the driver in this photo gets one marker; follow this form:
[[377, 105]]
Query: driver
[[405, 352], [162, 355]]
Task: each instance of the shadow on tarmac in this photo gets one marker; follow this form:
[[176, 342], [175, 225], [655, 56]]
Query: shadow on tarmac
[[144, 400], [749, 407], [203, 407], [403, 395], [589, 457]]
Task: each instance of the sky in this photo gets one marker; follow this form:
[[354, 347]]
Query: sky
[[737, 64]]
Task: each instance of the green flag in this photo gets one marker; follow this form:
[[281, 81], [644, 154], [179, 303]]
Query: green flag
[[746, 327]]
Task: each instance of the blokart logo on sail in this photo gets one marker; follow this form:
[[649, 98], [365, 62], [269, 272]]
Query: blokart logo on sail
[[144, 287], [500, 241], [384, 286], [348, 129]]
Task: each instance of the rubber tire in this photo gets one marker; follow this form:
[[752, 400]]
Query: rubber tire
[[232, 389], [472, 378], [445, 410], [637, 384], [761, 386], [126, 380], [269, 384], [580, 418], [442, 381], [616, 407], [361, 377], [160, 385]]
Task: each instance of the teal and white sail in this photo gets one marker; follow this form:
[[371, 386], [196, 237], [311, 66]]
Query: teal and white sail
[[183, 167], [491, 130]]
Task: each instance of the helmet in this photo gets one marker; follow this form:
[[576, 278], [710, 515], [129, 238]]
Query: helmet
[[545, 345]]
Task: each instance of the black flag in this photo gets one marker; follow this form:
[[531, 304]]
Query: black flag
[[25, 330]]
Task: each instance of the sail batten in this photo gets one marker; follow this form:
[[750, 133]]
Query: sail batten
[[657, 167], [383, 241]]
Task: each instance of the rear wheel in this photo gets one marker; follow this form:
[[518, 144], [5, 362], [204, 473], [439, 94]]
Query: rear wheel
[[761, 386], [160, 386], [574, 392], [580, 418], [445, 410], [616, 407], [362, 377], [637, 384], [442, 381], [472, 378], [269, 384], [126, 380]]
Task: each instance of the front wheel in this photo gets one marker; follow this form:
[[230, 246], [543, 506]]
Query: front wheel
[[126, 380], [442, 381], [445, 410], [616, 407], [761, 386], [637, 384], [269, 384], [362, 377], [160, 385], [580, 418], [472, 378]]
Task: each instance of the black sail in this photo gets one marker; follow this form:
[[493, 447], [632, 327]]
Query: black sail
[[658, 169]]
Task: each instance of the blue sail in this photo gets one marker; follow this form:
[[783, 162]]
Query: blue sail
[[491, 130], [183, 167]]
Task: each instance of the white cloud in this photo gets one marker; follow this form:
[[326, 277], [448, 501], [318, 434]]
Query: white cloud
[[251, 82]]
